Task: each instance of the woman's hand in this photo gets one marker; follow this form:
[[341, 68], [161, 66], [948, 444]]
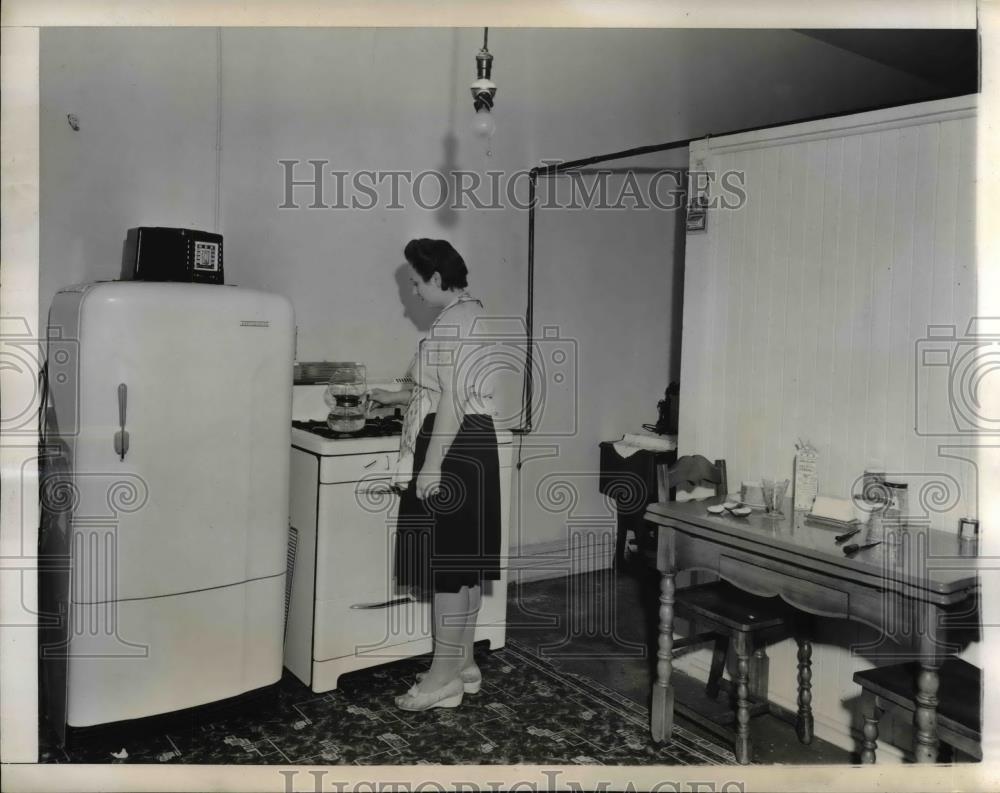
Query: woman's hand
[[428, 482], [383, 396]]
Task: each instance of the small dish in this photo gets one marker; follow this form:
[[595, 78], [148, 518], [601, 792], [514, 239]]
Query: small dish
[[741, 512], [731, 505], [717, 509]]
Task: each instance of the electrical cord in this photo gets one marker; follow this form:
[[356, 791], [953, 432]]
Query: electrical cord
[[43, 377]]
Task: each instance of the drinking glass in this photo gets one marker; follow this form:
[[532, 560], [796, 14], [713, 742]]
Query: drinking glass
[[767, 489], [780, 488]]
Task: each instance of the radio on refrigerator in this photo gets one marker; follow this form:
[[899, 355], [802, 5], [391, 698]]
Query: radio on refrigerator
[[157, 253]]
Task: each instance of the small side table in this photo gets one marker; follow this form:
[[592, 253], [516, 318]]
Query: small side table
[[632, 483]]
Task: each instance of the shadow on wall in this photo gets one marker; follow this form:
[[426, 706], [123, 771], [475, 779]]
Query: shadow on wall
[[414, 309], [447, 216]]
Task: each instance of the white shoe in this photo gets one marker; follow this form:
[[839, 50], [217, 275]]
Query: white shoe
[[471, 677], [448, 696]]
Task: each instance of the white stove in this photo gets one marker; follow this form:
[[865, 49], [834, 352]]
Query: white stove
[[345, 610]]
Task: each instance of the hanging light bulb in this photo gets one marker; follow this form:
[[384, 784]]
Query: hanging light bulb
[[483, 124], [483, 90]]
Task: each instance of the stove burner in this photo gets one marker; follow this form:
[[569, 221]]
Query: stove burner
[[374, 428]]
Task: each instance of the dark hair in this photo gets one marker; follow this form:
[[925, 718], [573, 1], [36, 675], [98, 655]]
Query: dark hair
[[437, 256]]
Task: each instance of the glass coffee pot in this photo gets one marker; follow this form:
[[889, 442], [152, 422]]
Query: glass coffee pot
[[345, 396]]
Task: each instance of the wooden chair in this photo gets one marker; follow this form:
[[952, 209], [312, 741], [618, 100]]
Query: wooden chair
[[959, 712], [749, 624], [744, 621]]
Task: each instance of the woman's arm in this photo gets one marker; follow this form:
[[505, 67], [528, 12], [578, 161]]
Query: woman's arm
[[384, 396], [446, 424]]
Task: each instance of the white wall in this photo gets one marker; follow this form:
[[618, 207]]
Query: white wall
[[803, 311], [144, 153], [151, 103]]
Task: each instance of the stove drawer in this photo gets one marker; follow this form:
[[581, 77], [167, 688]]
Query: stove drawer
[[355, 467]]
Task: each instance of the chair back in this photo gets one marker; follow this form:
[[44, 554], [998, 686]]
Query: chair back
[[693, 477]]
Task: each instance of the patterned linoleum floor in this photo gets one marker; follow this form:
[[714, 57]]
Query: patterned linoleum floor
[[528, 712]]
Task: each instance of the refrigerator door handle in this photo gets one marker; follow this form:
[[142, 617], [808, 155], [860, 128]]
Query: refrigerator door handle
[[121, 437]]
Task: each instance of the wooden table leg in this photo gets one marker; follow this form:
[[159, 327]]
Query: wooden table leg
[[925, 739], [872, 713], [742, 648], [662, 712]]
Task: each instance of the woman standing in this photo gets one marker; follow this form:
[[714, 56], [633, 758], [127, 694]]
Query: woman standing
[[448, 530]]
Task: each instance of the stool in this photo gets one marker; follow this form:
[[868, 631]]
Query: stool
[[959, 711], [750, 622]]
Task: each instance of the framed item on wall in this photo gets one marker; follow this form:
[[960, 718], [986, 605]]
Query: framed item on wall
[[697, 214]]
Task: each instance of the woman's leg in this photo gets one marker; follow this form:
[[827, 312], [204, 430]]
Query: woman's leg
[[451, 611], [469, 637]]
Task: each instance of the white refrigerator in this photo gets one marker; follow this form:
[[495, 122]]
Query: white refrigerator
[[167, 497]]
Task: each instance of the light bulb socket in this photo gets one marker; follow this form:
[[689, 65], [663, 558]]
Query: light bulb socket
[[484, 64], [483, 92], [483, 89]]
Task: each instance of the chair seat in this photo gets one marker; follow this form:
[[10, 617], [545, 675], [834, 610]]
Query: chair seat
[[959, 693], [731, 607]]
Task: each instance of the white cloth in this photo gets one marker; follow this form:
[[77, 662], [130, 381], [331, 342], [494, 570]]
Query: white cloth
[[631, 443], [425, 371]]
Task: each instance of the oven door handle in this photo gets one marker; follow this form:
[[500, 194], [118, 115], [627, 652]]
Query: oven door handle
[[379, 487], [384, 604]]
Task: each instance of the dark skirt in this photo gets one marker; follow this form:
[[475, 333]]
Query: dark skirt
[[452, 539]]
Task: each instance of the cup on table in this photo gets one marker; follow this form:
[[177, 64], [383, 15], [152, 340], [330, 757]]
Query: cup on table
[[767, 489], [750, 494], [780, 488]]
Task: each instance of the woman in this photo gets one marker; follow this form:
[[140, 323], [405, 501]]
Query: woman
[[448, 530]]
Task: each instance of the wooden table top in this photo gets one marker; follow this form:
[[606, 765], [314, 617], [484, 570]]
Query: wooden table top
[[922, 558]]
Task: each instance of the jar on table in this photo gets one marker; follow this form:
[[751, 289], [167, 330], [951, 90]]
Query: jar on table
[[897, 507]]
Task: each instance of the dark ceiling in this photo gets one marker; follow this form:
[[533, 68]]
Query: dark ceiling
[[947, 58]]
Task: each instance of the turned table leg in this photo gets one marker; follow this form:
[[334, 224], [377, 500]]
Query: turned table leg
[[742, 647], [925, 740], [869, 743], [662, 712], [804, 720]]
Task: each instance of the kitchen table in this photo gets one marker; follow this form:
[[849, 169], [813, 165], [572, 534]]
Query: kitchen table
[[914, 591]]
